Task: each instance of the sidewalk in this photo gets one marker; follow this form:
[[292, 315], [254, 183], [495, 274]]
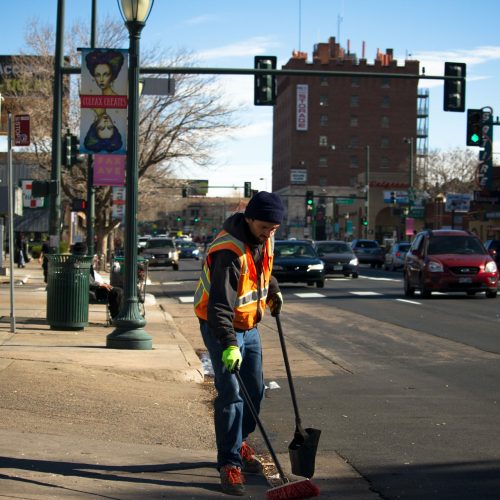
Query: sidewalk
[[78, 420]]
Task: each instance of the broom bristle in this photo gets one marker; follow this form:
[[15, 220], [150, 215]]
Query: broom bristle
[[293, 491]]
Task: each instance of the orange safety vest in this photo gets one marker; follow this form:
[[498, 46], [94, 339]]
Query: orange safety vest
[[252, 291]]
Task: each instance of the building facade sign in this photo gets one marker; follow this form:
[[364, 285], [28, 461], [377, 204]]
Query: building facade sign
[[302, 121], [298, 176]]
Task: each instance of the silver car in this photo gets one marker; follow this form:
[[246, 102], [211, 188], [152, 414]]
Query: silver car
[[395, 257], [162, 252]]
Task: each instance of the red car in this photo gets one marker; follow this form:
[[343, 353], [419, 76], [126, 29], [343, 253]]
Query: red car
[[449, 261]]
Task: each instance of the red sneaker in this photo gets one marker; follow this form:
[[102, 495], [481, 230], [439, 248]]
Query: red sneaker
[[231, 480], [250, 464]]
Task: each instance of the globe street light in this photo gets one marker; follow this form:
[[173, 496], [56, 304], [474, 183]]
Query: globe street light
[[129, 332]]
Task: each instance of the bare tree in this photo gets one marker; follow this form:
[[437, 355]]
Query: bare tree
[[174, 131], [452, 171]]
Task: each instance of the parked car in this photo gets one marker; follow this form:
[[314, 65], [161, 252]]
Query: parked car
[[141, 242], [296, 261], [188, 249], [395, 256], [368, 252], [162, 252], [338, 257], [493, 247], [448, 260]]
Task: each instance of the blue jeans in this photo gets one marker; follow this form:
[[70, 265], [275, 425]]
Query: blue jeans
[[233, 420]]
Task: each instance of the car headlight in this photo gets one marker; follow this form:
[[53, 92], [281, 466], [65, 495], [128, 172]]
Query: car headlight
[[490, 267], [435, 267], [315, 267], [353, 262]]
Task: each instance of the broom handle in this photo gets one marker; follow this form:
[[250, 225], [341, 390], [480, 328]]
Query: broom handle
[[298, 421], [255, 415]]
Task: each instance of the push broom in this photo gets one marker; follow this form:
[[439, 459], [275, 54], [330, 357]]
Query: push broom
[[295, 490]]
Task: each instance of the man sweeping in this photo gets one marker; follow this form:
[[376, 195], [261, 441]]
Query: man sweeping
[[230, 300]]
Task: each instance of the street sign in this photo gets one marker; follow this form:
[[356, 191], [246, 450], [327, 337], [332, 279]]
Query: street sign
[[21, 130], [344, 201]]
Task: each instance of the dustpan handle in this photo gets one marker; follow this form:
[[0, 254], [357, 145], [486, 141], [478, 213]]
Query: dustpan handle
[[258, 421], [298, 421]]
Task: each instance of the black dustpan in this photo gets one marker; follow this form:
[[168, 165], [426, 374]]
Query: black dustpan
[[302, 449]]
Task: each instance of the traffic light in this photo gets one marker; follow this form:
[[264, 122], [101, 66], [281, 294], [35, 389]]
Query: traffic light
[[474, 127], [309, 199], [264, 85], [78, 205], [66, 150], [248, 189], [364, 221], [76, 157], [454, 89]]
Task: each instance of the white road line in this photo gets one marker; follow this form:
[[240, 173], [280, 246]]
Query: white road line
[[380, 279], [186, 300], [409, 302], [309, 295], [172, 283], [365, 293]]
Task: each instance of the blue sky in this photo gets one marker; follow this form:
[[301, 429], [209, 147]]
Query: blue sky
[[228, 33]]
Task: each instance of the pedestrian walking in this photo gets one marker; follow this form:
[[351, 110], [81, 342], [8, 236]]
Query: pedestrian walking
[[43, 259], [230, 300]]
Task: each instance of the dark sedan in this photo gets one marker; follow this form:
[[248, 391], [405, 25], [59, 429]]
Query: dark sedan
[[338, 258], [368, 252], [296, 261], [188, 249]]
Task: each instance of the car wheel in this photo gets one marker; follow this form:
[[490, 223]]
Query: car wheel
[[470, 293], [491, 294], [310, 284], [354, 275], [175, 266], [409, 290], [320, 283]]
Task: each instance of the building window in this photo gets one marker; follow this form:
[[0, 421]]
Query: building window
[[322, 181], [323, 140], [354, 121], [323, 100], [354, 161], [386, 101], [386, 82], [355, 81], [384, 122], [354, 142], [323, 120], [384, 162], [384, 142], [323, 161], [354, 101], [323, 81]]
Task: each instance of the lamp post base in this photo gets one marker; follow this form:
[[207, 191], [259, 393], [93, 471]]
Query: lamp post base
[[129, 334]]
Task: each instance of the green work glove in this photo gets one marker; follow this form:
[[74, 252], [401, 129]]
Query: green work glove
[[275, 303], [231, 357]]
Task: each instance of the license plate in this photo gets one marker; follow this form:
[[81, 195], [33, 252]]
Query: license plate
[[465, 280], [337, 268]]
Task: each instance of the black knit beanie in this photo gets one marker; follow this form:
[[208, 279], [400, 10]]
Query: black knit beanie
[[266, 207]]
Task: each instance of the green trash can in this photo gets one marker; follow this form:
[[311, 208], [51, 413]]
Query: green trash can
[[68, 291]]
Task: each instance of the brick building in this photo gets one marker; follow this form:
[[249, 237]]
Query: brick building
[[334, 135]]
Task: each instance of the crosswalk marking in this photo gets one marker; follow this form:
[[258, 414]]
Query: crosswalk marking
[[309, 295], [186, 300], [409, 301], [365, 293]]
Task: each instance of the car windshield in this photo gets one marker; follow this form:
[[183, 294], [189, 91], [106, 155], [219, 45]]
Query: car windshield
[[159, 243], [185, 244], [367, 244], [404, 247], [455, 244], [292, 250], [334, 248]]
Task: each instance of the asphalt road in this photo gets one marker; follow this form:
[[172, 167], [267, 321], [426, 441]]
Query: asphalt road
[[412, 398]]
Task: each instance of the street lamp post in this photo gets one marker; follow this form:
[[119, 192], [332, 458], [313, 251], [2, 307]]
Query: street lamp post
[[129, 332]]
